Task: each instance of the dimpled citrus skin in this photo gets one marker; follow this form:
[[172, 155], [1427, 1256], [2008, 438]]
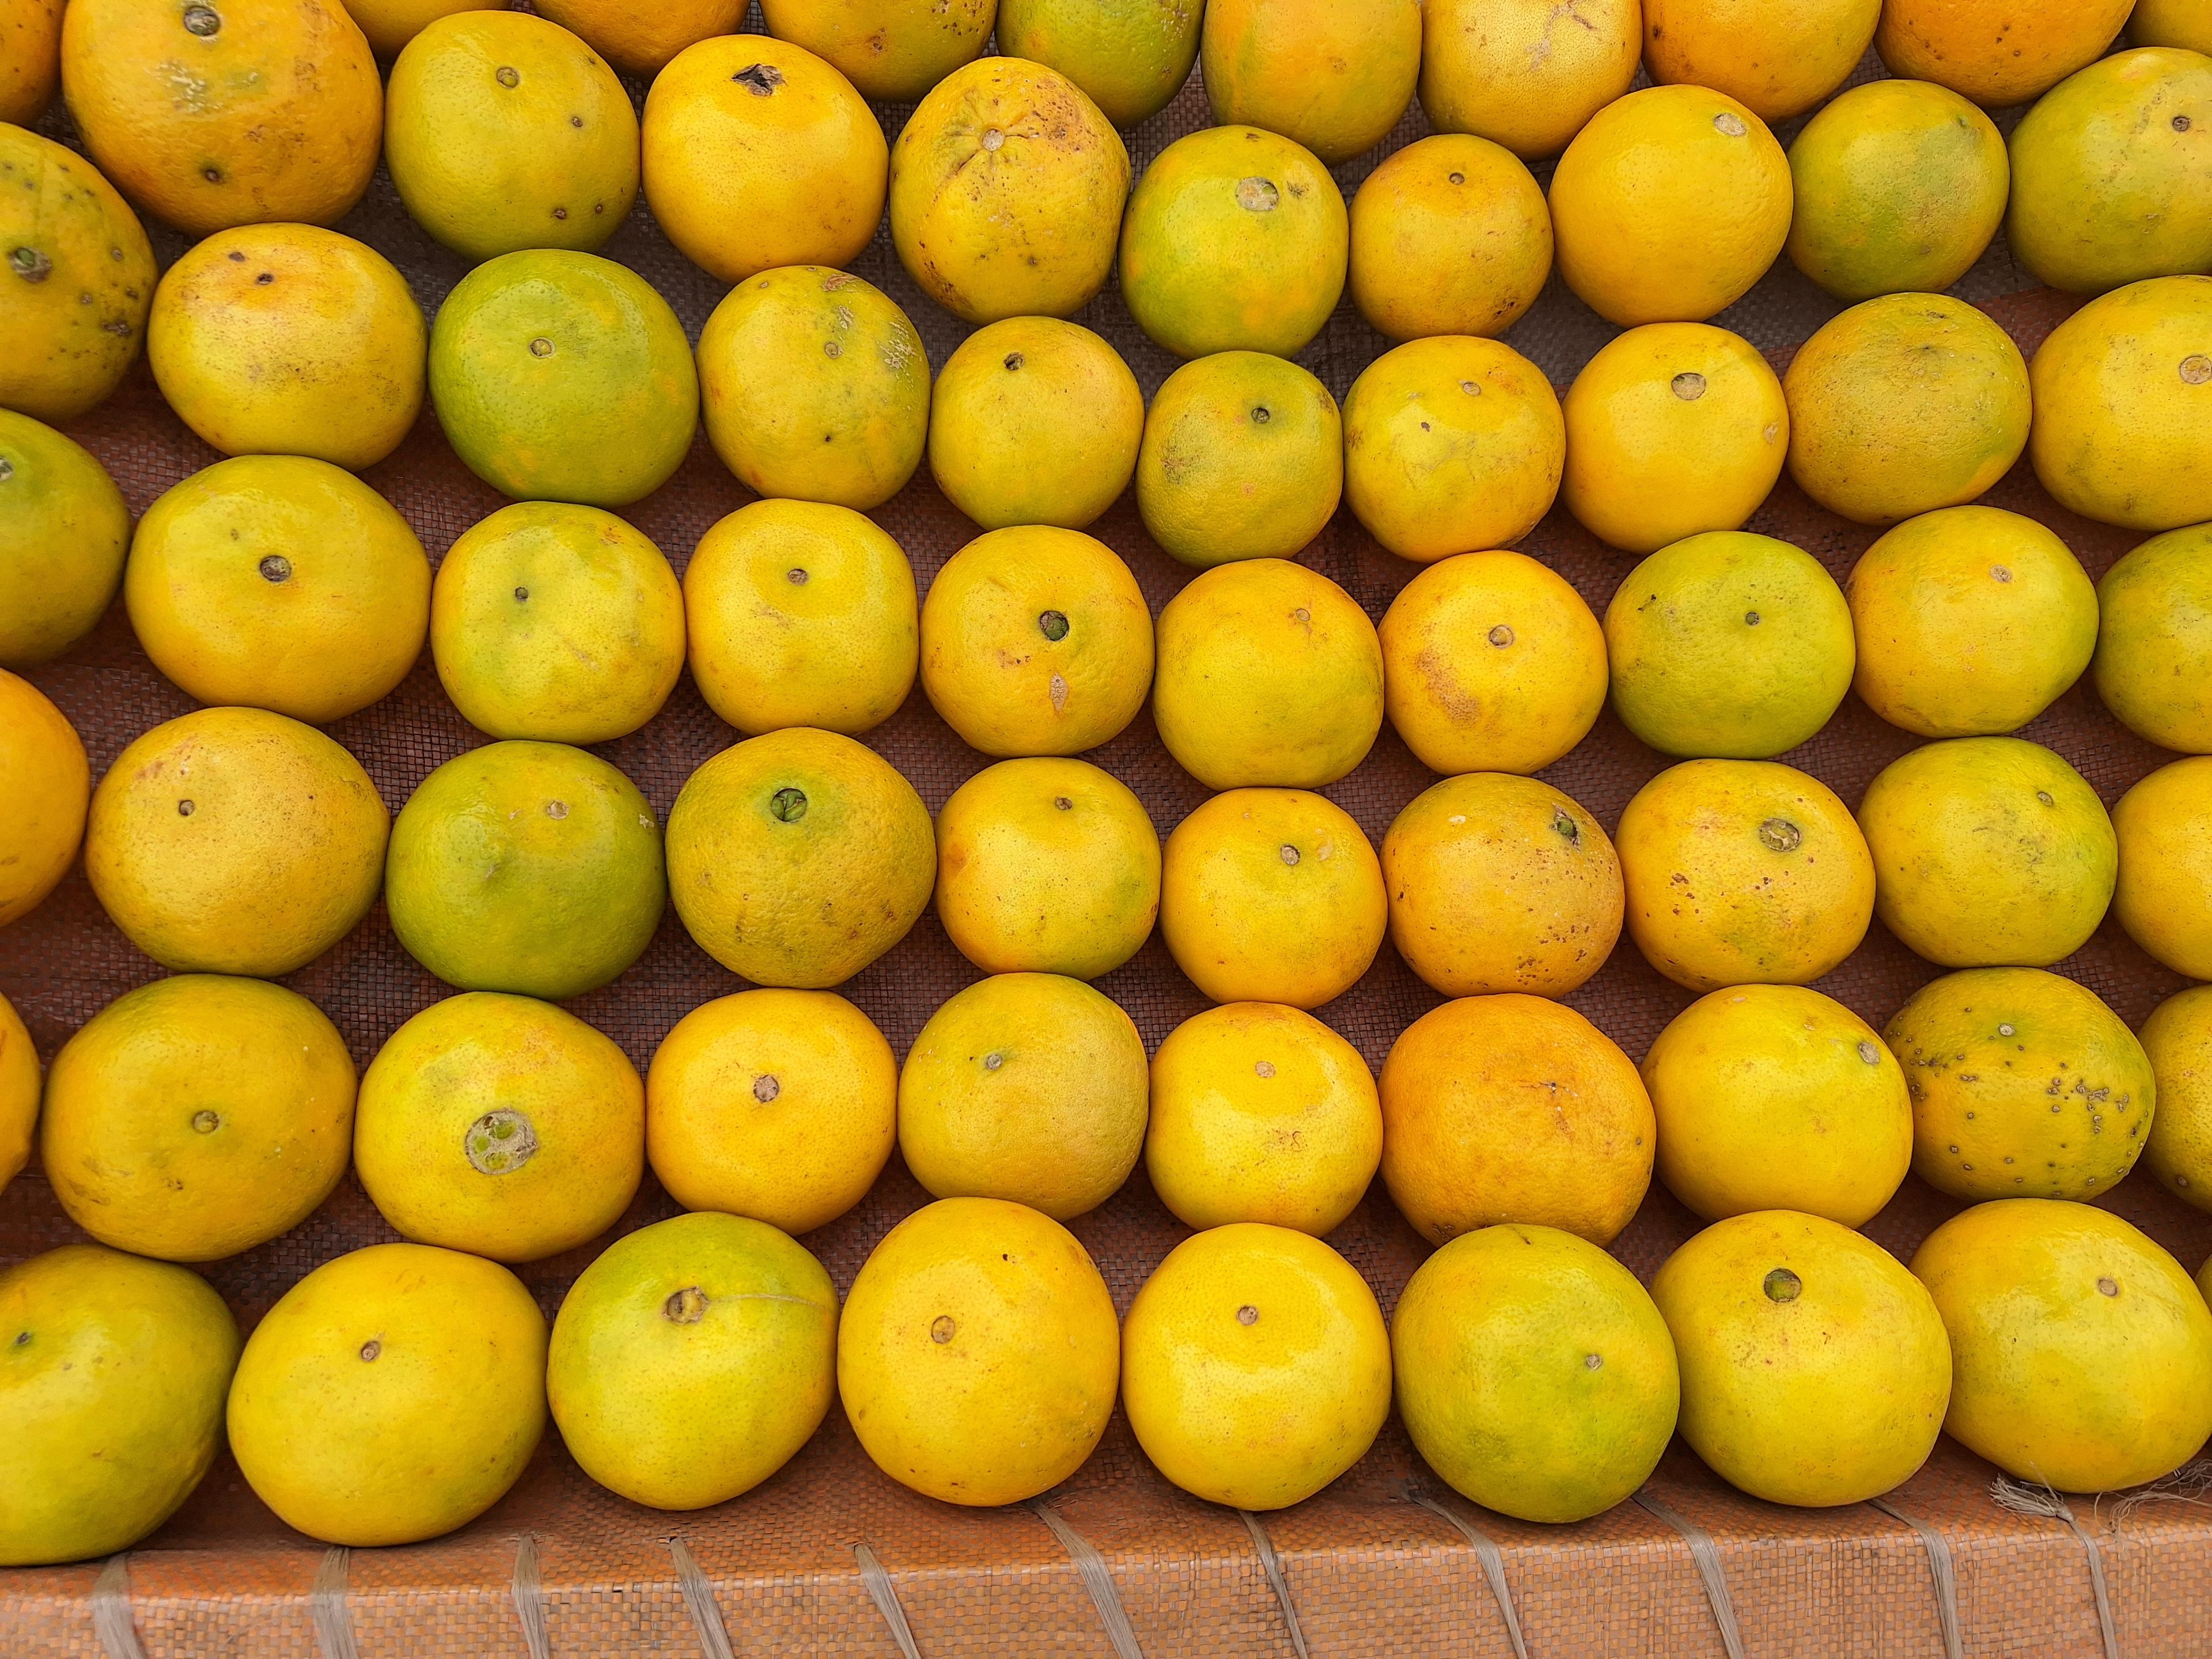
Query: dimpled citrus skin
[[390, 24], [816, 386], [1899, 186], [1131, 56], [1248, 922], [758, 155], [804, 892], [1778, 59], [1027, 1087], [47, 782], [2154, 662], [1026, 387], [62, 534], [1669, 205], [1449, 235], [692, 1359], [1533, 1373], [978, 1353], [1743, 873], [1988, 852], [799, 613], [1451, 445], [1269, 673], [272, 114], [506, 131], [1728, 644], [279, 582], [199, 1117], [31, 68], [892, 50], [20, 1083], [809, 1150], [1672, 428], [991, 664], [2176, 1039], [642, 36], [1904, 404], [1258, 1412], [1333, 75], [2182, 23], [346, 1414], [79, 237], [289, 340], [2058, 1381], [1815, 1369], [1004, 154], [1262, 1113], [2113, 174], [1498, 1106], [112, 1411], [500, 1125], [2024, 1084], [1243, 458], [1776, 1097], [1236, 239], [1047, 866], [1971, 621], [1525, 72], [1994, 52], [1491, 663], [2164, 897], [532, 867], [2124, 406], [556, 622], [279, 858], [1500, 883]]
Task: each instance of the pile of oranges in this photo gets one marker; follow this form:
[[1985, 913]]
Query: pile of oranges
[[397, 1392]]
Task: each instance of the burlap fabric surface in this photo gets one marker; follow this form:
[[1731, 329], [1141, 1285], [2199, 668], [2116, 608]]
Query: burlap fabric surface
[[564, 1567]]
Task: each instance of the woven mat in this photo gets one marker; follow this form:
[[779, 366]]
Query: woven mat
[[563, 1567]]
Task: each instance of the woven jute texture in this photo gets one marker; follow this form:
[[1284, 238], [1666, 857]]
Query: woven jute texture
[[563, 1567]]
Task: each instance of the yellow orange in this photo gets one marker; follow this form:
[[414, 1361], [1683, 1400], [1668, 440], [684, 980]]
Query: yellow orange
[[2176, 1040], [1334, 75], [1777, 58], [2154, 662], [893, 49], [1997, 52], [642, 35], [2164, 895], [62, 540], [1243, 458], [45, 777], [1525, 73]]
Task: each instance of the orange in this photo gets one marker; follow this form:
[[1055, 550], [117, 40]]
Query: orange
[[1669, 205], [1255, 1366], [62, 540], [780, 1105], [891, 50], [1451, 445], [1742, 872], [1525, 72], [1499, 883], [1672, 428], [2171, 23], [280, 582], [390, 24], [226, 112], [642, 35], [20, 1081], [31, 67], [2154, 662], [1449, 235], [1262, 1113], [199, 1117], [500, 1125], [758, 155], [1778, 58], [506, 131], [1904, 404], [2176, 1039], [1001, 154], [1491, 663], [1131, 56], [2164, 897], [977, 1354], [1900, 186], [1513, 1108], [67, 235], [1333, 75], [799, 613], [1269, 673], [48, 782], [1271, 895], [2123, 390], [816, 387], [1243, 458], [1997, 53], [1236, 239]]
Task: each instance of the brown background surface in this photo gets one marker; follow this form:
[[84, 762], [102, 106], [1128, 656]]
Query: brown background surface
[[1370, 1572]]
